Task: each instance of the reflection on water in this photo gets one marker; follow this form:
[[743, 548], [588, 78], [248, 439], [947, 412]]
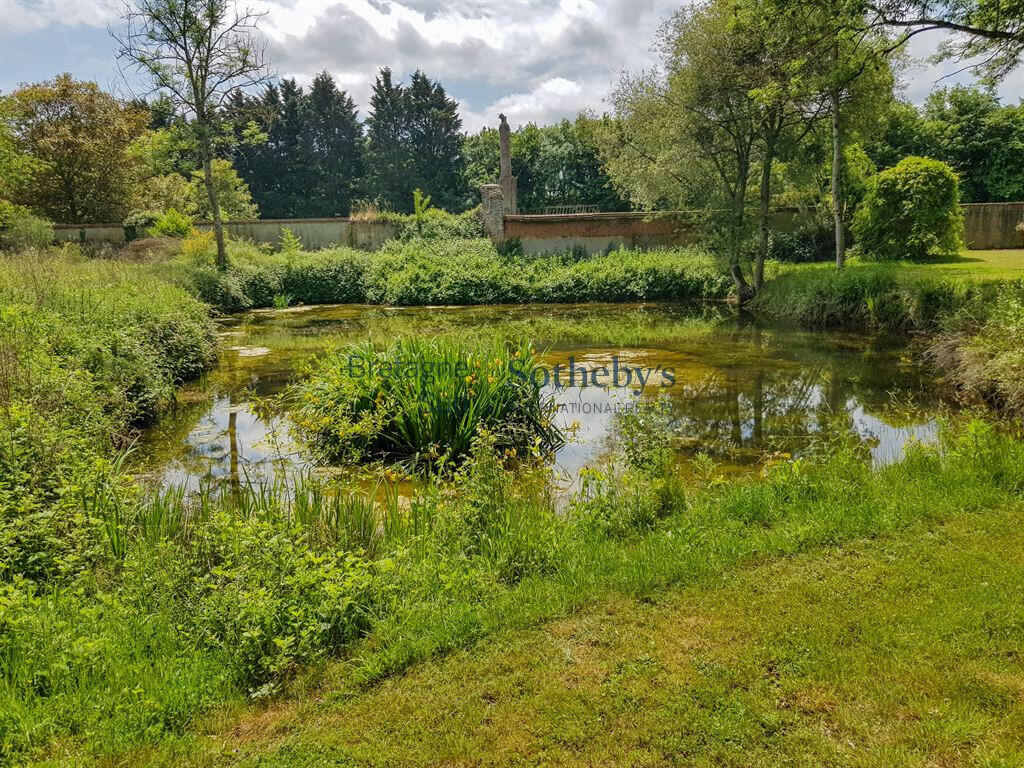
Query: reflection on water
[[741, 388]]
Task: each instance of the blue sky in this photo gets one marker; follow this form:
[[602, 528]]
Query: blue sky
[[535, 61]]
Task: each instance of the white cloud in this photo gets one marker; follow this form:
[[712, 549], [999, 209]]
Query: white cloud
[[548, 102], [534, 60], [924, 76], [21, 16], [511, 55]]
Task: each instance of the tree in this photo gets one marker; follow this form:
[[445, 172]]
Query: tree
[[849, 60], [989, 30], [911, 211], [730, 91], [77, 137], [556, 164], [414, 141], [196, 52], [435, 142], [334, 137], [965, 127], [16, 165], [232, 193], [389, 162]]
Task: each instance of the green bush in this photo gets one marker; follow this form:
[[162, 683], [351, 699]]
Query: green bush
[[986, 361], [171, 224], [90, 350], [424, 271], [423, 402], [872, 297], [138, 223], [20, 228], [911, 211], [434, 224], [808, 243]]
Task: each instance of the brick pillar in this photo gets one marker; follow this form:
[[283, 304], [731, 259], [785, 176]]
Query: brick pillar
[[492, 209]]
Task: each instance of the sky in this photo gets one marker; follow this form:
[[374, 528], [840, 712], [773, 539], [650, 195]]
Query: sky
[[533, 60]]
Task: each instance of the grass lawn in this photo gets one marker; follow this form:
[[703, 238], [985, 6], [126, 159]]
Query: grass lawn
[[898, 651], [1007, 264]]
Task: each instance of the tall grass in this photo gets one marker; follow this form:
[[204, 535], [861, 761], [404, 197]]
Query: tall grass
[[88, 352], [874, 297], [984, 357], [230, 593], [424, 402], [422, 271]]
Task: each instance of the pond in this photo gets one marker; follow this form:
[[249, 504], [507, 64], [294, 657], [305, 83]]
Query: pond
[[733, 386]]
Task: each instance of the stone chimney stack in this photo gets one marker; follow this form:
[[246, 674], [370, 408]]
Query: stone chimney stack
[[506, 180]]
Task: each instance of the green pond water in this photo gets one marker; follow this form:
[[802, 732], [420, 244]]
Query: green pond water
[[734, 387]]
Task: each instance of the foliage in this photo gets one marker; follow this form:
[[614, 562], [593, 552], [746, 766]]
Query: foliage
[[20, 228], [809, 242], [83, 364], [424, 402], [984, 360], [233, 195], [312, 161], [413, 141], [171, 224], [289, 243], [195, 55], [880, 296], [965, 127], [162, 193], [241, 588], [419, 271], [557, 164], [78, 137], [911, 211], [988, 33]]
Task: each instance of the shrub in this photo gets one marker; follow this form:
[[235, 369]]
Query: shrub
[[986, 363], [870, 296], [20, 228], [423, 402], [808, 243], [171, 224], [428, 223], [911, 211], [90, 350], [137, 223]]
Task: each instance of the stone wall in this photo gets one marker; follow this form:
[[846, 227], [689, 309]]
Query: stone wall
[[597, 232], [315, 233], [986, 226], [993, 225]]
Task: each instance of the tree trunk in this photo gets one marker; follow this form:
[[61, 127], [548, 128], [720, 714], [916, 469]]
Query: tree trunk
[[211, 194], [743, 290], [766, 199], [837, 163]]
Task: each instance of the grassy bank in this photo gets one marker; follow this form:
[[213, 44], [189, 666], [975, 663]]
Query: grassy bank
[[128, 615], [887, 652], [444, 271], [969, 325], [217, 600], [89, 351]]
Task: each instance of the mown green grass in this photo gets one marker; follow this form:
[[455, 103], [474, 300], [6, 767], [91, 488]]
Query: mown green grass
[[492, 558], [887, 652], [1006, 264]]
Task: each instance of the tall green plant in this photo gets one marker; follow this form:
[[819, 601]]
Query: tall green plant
[[424, 402], [911, 211]]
